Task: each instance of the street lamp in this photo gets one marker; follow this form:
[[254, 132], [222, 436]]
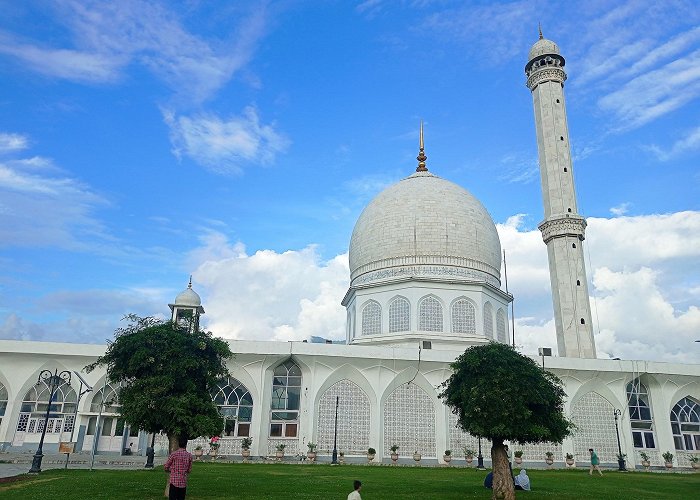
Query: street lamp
[[52, 381], [150, 452], [620, 456], [480, 457], [334, 461]]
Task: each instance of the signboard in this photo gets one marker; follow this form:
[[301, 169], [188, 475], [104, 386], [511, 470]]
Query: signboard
[[66, 447]]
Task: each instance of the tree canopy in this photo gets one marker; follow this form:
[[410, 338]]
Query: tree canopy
[[166, 372], [499, 394]]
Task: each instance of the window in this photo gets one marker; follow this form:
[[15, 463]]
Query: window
[[63, 404], [399, 315], [235, 405], [371, 318], [3, 401], [501, 326], [430, 315], [286, 396], [685, 424], [463, 317], [109, 395], [488, 320], [640, 415]]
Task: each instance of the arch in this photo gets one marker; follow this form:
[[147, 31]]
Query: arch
[[285, 403], [235, 405], [488, 320], [685, 424], [640, 414], [371, 318], [595, 426], [354, 426], [409, 420], [463, 315], [430, 314], [4, 398], [501, 326], [399, 314], [62, 407], [107, 394]]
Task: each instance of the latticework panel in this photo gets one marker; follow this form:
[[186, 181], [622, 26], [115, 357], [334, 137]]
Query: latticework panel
[[372, 319], [595, 427], [430, 315], [399, 315], [488, 320], [536, 452], [353, 419], [291, 448], [458, 440], [463, 317], [409, 421], [501, 326]]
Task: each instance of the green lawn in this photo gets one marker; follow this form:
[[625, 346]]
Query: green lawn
[[267, 481]]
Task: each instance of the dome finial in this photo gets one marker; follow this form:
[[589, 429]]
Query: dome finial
[[421, 154], [190, 284], [540, 27]]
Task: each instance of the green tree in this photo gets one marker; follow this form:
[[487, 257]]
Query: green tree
[[166, 372], [499, 394]]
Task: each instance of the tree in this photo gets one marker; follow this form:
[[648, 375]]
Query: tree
[[166, 372], [499, 394]]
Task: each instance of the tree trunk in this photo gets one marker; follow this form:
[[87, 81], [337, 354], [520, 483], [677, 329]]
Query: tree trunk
[[172, 442], [503, 488]]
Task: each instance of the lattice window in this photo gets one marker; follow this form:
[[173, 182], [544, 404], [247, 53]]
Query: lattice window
[[459, 441], [399, 315], [488, 320], [595, 427], [640, 415], [286, 397], [353, 419], [463, 317], [685, 424], [23, 422], [107, 395], [430, 315], [235, 405], [501, 326], [372, 319], [409, 421], [69, 423], [64, 400]]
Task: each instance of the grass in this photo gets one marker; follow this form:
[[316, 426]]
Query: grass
[[263, 481]]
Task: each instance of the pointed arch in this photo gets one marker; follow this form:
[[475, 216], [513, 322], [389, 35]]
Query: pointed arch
[[595, 426], [353, 429], [235, 405], [430, 315], [488, 320], [285, 403], [4, 398], [463, 315], [371, 318], [399, 314], [501, 326], [62, 406], [685, 424], [640, 414]]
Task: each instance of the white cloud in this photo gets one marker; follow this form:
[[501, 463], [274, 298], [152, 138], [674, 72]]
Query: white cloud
[[620, 209], [225, 145], [12, 142], [690, 142]]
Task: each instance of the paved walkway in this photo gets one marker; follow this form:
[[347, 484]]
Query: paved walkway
[[13, 464]]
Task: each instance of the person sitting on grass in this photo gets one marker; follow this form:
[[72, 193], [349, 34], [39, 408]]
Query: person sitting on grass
[[522, 481]]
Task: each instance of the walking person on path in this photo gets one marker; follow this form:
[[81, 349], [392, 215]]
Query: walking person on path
[[355, 494], [179, 465], [594, 462]]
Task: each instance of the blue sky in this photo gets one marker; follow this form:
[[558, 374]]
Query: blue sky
[[141, 142]]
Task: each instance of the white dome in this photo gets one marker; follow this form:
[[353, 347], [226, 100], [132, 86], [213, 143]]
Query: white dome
[[543, 47], [188, 297], [425, 226]]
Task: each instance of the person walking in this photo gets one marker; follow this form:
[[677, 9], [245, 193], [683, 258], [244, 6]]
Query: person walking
[[179, 464], [355, 494], [594, 462]]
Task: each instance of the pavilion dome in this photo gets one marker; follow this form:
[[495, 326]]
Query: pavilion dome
[[188, 297], [543, 47], [425, 226]]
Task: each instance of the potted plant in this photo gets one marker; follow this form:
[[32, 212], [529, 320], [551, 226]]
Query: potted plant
[[245, 447], [371, 452], [694, 461], [668, 459], [279, 453], [468, 455], [518, 456], [645, 460], [214, 446], [416, 456], [569, 459], [447, 457], [394, 456], [341, 457], [198, 452], [311, 455], [549, 460]]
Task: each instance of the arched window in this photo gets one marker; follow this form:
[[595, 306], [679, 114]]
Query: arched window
[[235, 405], [109, 395], [399, 315], [685, 424], [463, 317], [372, 318], [286, 396], [61, 409], [430, 315], [488, 320], [501, 326], [3, 401], [640, 415]]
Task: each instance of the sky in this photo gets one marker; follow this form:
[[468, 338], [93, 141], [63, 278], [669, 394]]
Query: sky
[[144, 141]]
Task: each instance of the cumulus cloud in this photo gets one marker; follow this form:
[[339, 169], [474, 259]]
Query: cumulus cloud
[[225, 145], [620, 209]]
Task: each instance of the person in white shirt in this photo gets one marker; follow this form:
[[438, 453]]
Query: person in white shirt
[[355, 495]]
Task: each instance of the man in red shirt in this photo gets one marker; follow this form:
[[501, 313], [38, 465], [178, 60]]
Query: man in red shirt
[[179, 464]]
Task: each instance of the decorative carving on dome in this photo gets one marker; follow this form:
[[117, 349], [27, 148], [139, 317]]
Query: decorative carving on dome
[[544, 75], [566, 226], [427, 271]]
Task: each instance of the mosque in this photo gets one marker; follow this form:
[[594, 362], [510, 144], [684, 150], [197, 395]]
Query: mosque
[[425, 284]]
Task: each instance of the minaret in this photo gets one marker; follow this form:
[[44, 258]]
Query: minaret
[[187, 308], [563, 229]]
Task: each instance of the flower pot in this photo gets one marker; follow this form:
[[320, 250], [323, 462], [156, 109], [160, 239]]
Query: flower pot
[[549, 462], [214, 452], [518, 460], [311, 456], [394, 457], [695, 465], [570, 462], [646, 464], [447, 459], [341, 459], [245, 454], [469, 460], [669, 465], [370, 457], [278, 455], [416, 457], [198, 454]]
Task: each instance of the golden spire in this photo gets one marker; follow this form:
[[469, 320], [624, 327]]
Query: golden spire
[[540, 26], [421, 154]]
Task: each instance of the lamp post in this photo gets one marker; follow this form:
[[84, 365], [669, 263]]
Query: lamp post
[[620, 456], [480, 457], [334, 461], [150, 452], [52, 381]]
